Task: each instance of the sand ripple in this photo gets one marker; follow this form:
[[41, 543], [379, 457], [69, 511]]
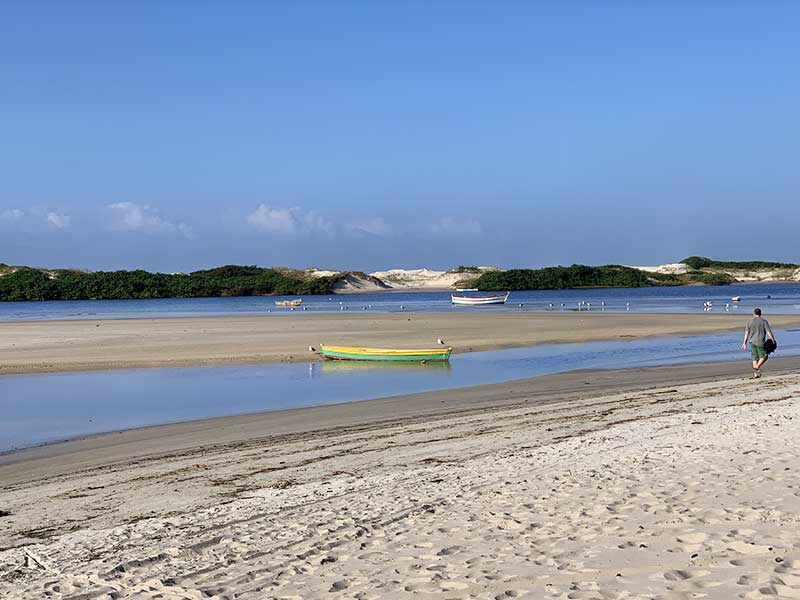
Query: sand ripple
[[682, 493]]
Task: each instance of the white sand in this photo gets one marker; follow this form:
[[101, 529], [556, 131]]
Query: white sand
[[421, 279], [667, 269], [689, 492]]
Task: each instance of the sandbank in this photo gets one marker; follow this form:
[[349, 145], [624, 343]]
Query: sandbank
[[81, 345]]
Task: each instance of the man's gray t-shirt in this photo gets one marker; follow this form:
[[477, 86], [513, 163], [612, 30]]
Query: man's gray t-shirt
[[758, 328]]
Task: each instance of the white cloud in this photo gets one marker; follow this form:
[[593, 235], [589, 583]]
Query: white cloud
[[11, 214], [58, 220], [288, 221], [55, 220], [373, 226], [128, 216], [452, 226]]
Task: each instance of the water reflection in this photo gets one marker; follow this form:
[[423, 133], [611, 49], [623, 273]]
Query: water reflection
[[342, 366]]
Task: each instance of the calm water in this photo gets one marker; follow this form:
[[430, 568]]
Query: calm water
[[42, 408], [784, 298]]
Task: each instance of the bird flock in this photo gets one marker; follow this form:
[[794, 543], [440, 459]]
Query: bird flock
[[580, 306]]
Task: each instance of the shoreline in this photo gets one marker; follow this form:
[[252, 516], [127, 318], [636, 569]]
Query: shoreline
[[35, 347], [404, 495], [182, 435]]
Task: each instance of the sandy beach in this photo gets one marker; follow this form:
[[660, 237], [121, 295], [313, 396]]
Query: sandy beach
[[51, 346], [608, 484]]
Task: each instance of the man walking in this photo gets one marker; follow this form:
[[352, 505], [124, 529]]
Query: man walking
[[757, 332]]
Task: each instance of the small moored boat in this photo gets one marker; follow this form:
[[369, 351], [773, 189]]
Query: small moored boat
[[479, 300], [384, 354], [288, 303], [736, 299]]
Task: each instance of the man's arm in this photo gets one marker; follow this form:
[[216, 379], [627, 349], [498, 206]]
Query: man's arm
[[746, 335], [770, 334]]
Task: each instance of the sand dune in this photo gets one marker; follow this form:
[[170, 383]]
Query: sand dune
[[420, 279], [677, 492]]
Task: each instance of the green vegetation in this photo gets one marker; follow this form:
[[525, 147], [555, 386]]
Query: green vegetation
[[25, 283], [558, 278], [701, 262], [463, 269], [581, 276], [707, 278]]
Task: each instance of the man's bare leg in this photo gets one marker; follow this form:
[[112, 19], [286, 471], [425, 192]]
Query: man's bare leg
[[757, 366]]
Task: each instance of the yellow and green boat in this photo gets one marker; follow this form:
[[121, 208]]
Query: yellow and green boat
[[386, 354]]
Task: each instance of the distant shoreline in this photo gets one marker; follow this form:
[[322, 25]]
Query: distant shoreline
[[409, 290], [19, 283]]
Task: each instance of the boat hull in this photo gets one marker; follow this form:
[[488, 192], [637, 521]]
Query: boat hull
[[478, 300], [385, 354]]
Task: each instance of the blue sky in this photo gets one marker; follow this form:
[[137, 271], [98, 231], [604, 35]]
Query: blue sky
[[178, 135]]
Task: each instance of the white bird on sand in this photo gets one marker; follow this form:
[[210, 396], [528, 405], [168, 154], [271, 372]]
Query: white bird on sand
[[312, 349], [440, 341], [551, 306]]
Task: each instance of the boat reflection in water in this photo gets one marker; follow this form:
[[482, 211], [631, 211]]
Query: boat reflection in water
[[349, 366]]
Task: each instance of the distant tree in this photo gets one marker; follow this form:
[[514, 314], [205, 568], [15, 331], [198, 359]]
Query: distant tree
[[230, 280]]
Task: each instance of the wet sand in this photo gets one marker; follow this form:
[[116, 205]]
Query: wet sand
[[52, 346], [663, 482]]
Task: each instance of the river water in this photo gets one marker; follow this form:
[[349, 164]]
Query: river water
[[43, 408], [774, 298]]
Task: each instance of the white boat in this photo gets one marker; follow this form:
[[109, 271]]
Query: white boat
[[736, 299], [478, 300], [289, 303]]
